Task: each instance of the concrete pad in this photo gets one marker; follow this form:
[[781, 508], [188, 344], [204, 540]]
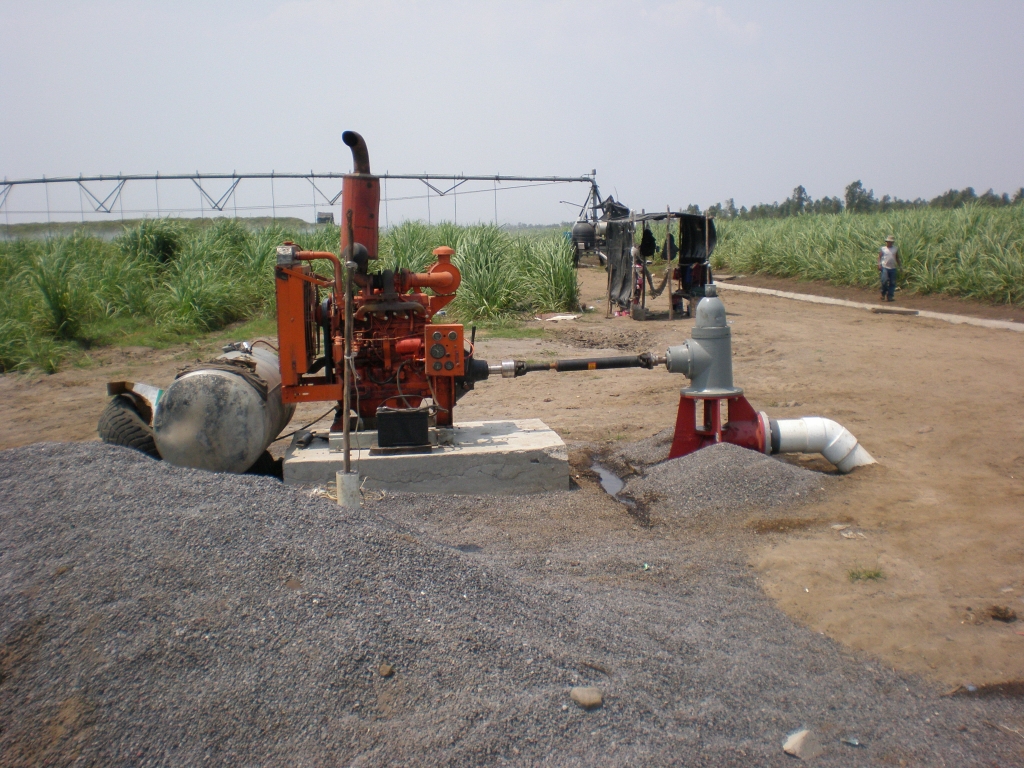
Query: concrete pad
[[494, 457]]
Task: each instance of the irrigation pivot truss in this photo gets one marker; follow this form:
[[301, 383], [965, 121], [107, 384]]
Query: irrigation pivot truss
[[110, 202]]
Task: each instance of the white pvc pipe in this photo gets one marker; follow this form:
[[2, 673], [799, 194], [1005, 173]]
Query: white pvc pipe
[[814, 434]]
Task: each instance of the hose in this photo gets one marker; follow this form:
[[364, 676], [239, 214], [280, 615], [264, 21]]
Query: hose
[[304, 426]]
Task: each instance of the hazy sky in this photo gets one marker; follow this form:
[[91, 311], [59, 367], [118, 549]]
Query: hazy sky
[[672, 102]]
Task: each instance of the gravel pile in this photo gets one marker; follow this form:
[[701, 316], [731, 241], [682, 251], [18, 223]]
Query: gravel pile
[[153, 615], [634, 458], [721, 479]]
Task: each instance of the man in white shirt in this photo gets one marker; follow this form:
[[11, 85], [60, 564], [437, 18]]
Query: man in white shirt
[[888, 263]]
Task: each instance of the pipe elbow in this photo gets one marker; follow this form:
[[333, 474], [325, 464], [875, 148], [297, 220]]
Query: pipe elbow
[[360, 154], [814, 434], [842, 448], [701, 360]]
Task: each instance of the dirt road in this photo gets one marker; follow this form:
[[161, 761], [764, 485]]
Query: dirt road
[[940, 517]]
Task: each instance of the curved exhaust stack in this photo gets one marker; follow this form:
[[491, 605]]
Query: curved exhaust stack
[[360, 200], [360, 154]]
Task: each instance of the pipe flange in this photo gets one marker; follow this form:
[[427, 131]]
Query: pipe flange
[[706, 394]]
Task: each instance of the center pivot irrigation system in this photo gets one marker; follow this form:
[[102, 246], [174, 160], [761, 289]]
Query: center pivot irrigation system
[[366, 341], [111, 202]]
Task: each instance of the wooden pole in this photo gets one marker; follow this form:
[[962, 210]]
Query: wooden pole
[[668, 254]]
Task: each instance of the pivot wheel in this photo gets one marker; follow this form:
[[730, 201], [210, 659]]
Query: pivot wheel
[[121, 424]]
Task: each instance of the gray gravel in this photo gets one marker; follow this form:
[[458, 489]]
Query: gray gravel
[[636, 457], [722, 480], [153, 615]]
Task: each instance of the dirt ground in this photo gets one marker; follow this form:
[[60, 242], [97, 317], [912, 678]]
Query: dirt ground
[[936, 404]]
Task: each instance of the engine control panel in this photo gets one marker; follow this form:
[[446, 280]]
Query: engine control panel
[[444, 350]]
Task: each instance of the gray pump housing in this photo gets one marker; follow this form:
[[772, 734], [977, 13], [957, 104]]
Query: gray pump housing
[[706, 358]]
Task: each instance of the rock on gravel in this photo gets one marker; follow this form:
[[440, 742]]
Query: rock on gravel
[[803, 744], [587, 696], [720, 479]]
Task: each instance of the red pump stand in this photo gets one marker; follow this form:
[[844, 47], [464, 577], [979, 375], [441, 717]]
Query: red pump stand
[[745, 427]]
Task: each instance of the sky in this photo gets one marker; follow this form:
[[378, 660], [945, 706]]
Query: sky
[[673, 102]]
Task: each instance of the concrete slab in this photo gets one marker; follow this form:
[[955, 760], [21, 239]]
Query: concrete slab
[[495, 457]]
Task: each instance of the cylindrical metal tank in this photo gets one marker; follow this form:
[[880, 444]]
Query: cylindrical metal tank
[[221, 418], [584, 235]]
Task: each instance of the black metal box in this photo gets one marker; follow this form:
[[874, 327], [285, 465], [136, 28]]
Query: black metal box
[[402, 427]]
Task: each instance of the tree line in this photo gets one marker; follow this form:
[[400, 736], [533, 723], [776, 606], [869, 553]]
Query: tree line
[[856, 200]]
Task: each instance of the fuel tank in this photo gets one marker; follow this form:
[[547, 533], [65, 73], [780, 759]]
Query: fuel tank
[[221, 416]]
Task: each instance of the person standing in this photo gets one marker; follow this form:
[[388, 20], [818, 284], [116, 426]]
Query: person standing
[[888, 263]]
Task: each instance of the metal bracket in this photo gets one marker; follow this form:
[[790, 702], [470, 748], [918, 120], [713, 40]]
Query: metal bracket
[[218, 205], [106, 204], [330, 200], [451, 188]]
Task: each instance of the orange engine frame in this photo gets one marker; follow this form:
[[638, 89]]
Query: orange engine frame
[[399, 357]]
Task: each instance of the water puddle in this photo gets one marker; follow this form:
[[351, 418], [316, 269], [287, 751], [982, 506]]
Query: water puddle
[[611, 483]]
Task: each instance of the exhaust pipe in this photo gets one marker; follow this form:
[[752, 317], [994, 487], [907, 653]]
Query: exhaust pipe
[[360, 154], [360, 201]]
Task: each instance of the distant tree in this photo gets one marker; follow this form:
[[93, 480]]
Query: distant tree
[[954, 198], [859, 200], [693, 209], [763, 211], [800, 200], [994, 200]]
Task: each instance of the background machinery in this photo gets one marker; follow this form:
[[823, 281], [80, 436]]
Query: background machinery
[[607, 229]]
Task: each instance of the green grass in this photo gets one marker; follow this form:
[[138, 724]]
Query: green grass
[[161, 282], [975, 252], [865, 574]]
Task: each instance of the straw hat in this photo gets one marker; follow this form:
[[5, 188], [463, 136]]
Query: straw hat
[[891, 239]]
